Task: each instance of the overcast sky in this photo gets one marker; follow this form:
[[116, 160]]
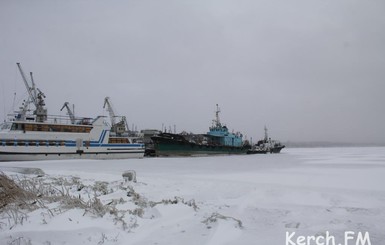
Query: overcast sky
[[310, 70]]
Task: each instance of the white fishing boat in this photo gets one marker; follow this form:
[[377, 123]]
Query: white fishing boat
[[37, 136]]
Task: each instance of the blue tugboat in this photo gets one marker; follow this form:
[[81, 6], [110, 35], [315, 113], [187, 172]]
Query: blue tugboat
[[217, 141]]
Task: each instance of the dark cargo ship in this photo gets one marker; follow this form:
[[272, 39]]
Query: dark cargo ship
[[217, 141]]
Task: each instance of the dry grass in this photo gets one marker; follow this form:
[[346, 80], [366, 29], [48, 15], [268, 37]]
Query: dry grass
[[11, 193], [21, 194]]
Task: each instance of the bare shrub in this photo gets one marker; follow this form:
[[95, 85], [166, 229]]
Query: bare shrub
[[215, 216], [19, 241], [21, 194], [136, 198], [176, 200], [101, 187], [10, 192]]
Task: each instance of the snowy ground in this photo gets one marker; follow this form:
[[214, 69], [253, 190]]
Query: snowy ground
[[250, 199]]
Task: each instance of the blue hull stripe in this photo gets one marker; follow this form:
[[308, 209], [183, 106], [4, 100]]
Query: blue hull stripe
[[102, 136]]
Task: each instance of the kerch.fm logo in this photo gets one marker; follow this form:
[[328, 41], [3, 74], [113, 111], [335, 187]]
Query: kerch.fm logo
[[349, 238]]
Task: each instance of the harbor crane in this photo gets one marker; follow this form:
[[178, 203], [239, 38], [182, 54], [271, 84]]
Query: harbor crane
[[36, 96], [70, 112], [110, 110], [120, 127]]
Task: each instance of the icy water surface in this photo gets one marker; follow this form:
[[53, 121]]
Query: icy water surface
[[249, 199]]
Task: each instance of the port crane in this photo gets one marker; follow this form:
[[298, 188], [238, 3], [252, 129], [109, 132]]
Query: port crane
[[116, 127], [36, 96], [110, 110], [70, 112]]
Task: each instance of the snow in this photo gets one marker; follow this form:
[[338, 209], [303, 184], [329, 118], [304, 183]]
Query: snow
[[248, 199]]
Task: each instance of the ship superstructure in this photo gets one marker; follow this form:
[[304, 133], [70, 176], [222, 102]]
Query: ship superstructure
[[217, 141], [220, 134]]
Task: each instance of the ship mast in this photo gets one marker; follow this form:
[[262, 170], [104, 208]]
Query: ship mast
[[217, 121], [266, 136]]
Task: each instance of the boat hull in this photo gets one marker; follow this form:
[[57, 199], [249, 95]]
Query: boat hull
[[36, 153], [277, 149], [249, 152], [167, 147], [9, 156]]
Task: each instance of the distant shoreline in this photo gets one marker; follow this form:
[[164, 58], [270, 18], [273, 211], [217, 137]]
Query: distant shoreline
[[315, 144]]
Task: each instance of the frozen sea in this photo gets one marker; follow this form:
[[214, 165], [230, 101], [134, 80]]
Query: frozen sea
[[248, 199]]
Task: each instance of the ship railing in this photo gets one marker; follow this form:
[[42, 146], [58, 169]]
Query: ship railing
[[53, 119]]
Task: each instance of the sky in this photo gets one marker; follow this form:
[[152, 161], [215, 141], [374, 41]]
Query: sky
[[309, 70]]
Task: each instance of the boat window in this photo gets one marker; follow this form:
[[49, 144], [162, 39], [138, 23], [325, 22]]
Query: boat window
[[53, 128], [17, 126]]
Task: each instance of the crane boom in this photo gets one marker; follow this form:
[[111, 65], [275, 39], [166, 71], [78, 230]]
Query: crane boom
[[29, 89], [70, 112], [35, 96], [120, 127], [110, 110]]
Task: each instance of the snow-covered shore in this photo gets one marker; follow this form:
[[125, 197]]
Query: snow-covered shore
[[249, 199]]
